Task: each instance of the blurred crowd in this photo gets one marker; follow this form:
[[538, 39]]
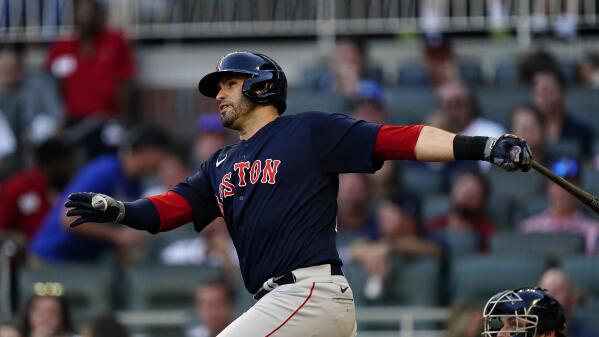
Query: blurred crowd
[[72, 127]]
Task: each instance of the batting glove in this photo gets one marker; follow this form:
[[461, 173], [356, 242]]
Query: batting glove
[[509, 152], [94, 207]]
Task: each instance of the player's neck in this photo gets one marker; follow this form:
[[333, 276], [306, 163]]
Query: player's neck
[[256, 120]]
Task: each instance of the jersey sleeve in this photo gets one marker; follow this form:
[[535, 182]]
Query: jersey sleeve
[[198, 192], [342, 144]]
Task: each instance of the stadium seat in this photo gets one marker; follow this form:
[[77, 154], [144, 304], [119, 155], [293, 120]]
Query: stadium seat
[[87, 288], [585, 272], [496, 103], [410, 105], [356, 277], [555, 246], [418, 179], [588, 314], [460, 243], [434, 205], [412, 74], [476, 278], [308, 100], [414, 282], [471, 73], [518, 186], [501, 211], [506, 73], [167, 287]]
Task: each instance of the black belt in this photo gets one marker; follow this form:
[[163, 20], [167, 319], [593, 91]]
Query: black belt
[[288, 278]]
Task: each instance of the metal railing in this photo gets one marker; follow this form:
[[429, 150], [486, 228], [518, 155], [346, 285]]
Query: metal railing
[[39, 20]]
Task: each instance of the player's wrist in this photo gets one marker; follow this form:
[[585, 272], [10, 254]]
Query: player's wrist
[[472, 147]]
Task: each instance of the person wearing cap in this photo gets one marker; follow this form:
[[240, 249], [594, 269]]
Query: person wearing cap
[[562, 213], [211, 137]]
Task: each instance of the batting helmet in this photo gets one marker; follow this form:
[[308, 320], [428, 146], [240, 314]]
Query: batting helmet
[[266, 84], [526, 312]]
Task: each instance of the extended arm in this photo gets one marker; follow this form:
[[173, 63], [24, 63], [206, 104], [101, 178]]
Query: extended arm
[[426, 143]]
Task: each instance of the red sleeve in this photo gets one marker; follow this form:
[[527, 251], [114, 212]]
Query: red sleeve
[[396, 142], [173, 209]]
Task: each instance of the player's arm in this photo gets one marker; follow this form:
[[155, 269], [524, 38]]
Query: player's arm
[[427, 143], [153, 214]]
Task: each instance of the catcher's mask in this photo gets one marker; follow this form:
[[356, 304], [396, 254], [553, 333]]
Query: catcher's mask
[[526, 312]]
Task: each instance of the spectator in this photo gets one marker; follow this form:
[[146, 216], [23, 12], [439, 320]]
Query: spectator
[[469, 199], [214, 308], [30, 110], [349, 65], [460, 113], [399, 222], [46, 316], [9, 330], [589, 70], [354, 220], [559, 284], [104, 326], [212, 248], [465, 320], [211, 137], [549, 96], [25, 197], [528, 122], [95, 66], [370, 104], [141, 153], [562, 214]]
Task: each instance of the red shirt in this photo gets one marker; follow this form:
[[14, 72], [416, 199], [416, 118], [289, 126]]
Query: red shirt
[[90, 84], [24, 202]]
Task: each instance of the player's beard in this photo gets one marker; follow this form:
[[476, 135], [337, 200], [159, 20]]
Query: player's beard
[[236, 110]]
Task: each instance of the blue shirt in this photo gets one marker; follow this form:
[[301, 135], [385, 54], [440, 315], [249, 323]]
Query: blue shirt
[[54, 242], [277, 191]]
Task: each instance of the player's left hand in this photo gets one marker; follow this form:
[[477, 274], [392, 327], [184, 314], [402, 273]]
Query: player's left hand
[[510, 153], [94, 207]]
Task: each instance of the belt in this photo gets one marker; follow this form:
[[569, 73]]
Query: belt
[[287, 278]]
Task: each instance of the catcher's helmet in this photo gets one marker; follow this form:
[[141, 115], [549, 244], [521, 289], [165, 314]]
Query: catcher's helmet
[[526, 312], [266, 83]]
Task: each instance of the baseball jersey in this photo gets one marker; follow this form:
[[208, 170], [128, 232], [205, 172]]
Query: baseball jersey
[[277, 191]]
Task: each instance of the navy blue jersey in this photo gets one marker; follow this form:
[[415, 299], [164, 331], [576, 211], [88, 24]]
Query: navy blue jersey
[[277, 191]]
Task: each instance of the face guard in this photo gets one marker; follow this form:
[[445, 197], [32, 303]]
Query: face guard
[[507, 313]]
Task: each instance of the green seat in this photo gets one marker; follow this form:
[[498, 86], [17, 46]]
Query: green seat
[[476, 278], [497, 103], [460, 243], [410, 105], [419, 180], [414, 282], [585, 272], [86, 288], [308, 100], [434, 205], [554, 245], [167, 287], [517, 186], [588, 314]]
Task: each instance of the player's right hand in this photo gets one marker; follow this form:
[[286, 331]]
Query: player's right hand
[[94, 207], [510, 153]]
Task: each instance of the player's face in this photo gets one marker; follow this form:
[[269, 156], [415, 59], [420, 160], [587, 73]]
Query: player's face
[[233, 104]]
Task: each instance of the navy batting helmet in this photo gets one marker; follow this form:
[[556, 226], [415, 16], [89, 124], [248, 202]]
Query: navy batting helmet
[[526, 312], [266, 84]]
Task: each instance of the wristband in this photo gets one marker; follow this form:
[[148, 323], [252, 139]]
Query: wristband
[[472, 148]]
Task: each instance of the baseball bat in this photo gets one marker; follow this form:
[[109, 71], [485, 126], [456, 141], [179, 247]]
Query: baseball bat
[[580, 194]]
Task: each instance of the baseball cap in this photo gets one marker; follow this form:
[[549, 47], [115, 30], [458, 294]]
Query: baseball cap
[[370, 90], [566, 168], [209, 122]]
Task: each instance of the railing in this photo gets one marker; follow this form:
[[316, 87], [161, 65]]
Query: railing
[[405, 317], [39, 20]]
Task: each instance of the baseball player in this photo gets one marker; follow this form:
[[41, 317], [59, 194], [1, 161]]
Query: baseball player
[[526, 312], [277, 191]]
